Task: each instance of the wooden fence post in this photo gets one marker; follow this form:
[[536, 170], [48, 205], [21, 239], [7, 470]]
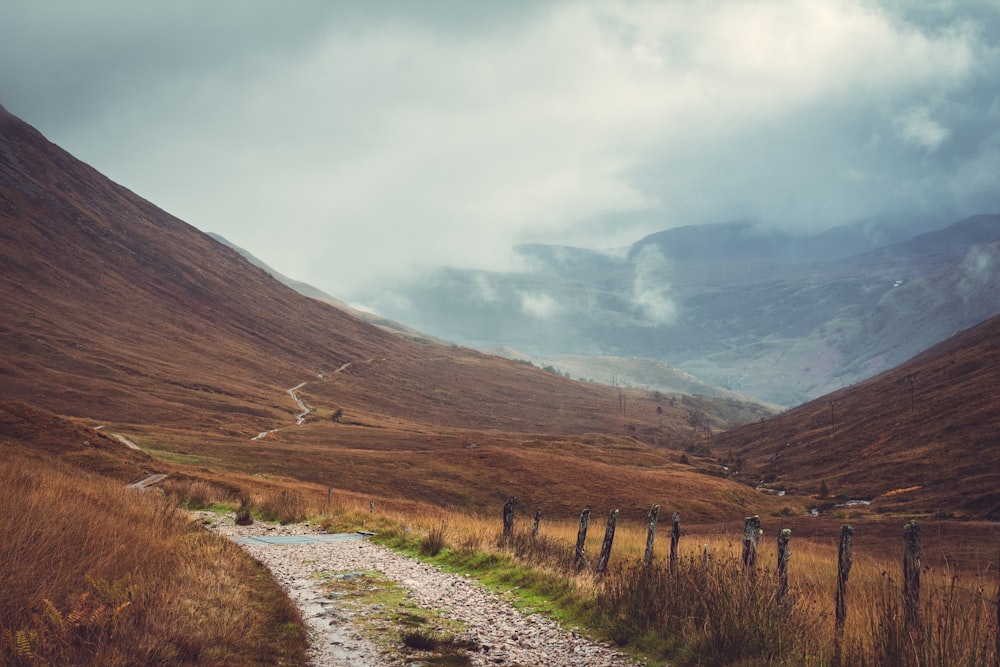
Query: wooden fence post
[[580, 557], [508, 517], [751, 537], [675, 537], [609, 538], [329, 491], [647, 559], [534, 526], [996, 652], [911, 575], [783, 555], [371, 506], [843, 570]]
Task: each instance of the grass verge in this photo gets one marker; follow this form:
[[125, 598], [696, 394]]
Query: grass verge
[[97, 574]]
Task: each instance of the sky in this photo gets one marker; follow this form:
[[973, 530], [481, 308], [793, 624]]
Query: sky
[[349, 144]]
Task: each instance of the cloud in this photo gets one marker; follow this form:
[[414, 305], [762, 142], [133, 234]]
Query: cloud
[[917, 127], [539, 305], [348, 144], [978, 269], [650, 289]]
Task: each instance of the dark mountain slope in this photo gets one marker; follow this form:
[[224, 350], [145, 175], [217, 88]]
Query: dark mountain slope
[[921, 437], [115, 309]]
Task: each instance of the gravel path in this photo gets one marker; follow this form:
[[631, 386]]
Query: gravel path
[[505, 635]]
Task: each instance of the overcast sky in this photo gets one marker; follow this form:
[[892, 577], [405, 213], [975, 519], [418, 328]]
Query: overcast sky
[[346, 142]]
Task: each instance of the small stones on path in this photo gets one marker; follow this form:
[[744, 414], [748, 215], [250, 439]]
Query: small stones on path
[[504, 635]]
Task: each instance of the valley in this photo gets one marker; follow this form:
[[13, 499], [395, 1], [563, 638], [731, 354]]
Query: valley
[[134, 345]]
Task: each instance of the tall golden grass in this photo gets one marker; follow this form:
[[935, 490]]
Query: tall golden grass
[[709, 611], [98, 574]]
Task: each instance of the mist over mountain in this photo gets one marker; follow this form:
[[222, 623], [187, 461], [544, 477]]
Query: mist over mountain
[[784, 317]]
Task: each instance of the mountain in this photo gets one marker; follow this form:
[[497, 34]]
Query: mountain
[[314, 292], [302, 288], [121, 316], [780, 317], [920, 438]]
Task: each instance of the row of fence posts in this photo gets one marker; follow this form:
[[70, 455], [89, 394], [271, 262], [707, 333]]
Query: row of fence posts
[[751, 539], [580, 554]]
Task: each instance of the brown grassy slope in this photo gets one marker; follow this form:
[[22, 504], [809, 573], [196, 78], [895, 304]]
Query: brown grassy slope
[[78, 591], [39, 433], [939, 453]]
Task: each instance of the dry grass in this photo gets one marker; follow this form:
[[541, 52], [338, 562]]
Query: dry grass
[[708, 611], [96, 574]]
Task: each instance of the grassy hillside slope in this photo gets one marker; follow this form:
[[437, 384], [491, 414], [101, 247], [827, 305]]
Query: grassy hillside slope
[[921, 437]]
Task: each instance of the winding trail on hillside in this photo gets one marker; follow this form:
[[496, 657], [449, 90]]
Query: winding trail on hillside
[[504, 635], [300, 418]]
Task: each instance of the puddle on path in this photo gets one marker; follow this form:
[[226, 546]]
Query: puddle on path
[[297, 539]]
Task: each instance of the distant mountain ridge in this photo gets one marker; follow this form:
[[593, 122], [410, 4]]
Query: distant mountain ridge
[[778, 316]]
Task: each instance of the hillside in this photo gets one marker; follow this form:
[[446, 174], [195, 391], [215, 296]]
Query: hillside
[[921, 437], [118, 314]]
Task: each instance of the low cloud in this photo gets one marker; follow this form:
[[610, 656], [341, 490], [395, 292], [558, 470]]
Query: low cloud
[[980, 268], [539, 305], [650, 289], [916, 127]]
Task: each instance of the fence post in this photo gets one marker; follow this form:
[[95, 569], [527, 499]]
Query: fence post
[[911, 575], [783, 555], [534, 526], [843, 570], [508, 517], [371, 506], [609, 538], [580, 557], [675, 536], [751, 537], [329, 491], [996, 652], [647, 559]]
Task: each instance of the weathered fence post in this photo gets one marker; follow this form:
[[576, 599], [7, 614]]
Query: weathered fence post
[[911, 575], [329, 491], [783, 555], [534, 526], [647, 559], [580, 557], [609, 538], [675, 537], [751, 537], [843, 570], [508, 517], [996, 652], [371, 506]]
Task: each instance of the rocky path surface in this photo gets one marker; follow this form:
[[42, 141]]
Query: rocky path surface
[[503, 635]]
